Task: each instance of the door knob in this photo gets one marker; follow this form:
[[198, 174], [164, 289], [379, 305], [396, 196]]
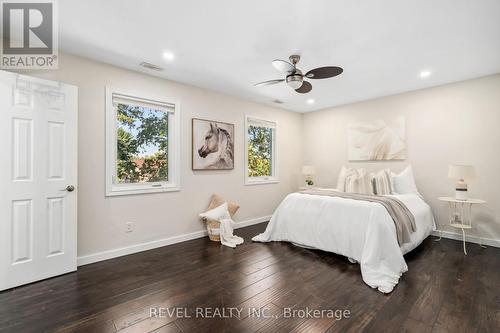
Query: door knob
[[69, 188]]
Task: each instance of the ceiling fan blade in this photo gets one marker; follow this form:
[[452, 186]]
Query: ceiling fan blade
[[324, 72], [304, 88], [283, 66], [268, 83]]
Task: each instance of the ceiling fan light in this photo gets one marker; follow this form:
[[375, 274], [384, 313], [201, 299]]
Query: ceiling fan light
[[295, 84], [294, 81]]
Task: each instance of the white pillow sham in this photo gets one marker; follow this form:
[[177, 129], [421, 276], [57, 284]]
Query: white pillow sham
[[359, 181], [382, 182], [218, 213], [344, 172], [404, 182]]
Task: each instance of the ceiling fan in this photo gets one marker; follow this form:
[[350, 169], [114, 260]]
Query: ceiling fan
[[294, 77]]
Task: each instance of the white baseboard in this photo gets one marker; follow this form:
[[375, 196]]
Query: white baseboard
[[468, 238], [123, 251], [250, 222]]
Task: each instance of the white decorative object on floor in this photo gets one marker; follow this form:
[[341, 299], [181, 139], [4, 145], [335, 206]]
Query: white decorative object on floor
[[216, 213], [218, 200], [460, 214], [461, 173], [226, 233], [212, 219]]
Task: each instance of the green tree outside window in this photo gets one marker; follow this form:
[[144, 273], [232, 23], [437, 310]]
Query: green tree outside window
[[142, 144], [260, 146]]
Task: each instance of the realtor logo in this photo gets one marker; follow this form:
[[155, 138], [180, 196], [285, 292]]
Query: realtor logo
[[29, 34]]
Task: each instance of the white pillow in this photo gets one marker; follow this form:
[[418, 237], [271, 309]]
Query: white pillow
[[218, 213], [341, 179], [383, 183], [359, 182], [365, 182], [351, 184], [344, 173], [371, 183], [404, 182]]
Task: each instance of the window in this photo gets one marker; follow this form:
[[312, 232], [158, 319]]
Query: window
[[260, 153], [142, 153]]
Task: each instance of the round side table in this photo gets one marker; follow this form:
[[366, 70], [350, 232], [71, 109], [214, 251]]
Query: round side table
[[460, 214]]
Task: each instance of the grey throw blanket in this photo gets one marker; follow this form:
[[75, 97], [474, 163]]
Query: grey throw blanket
[[400, 214]]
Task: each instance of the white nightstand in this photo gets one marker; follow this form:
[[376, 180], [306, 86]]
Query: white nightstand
[[303, 188], [460, 214]]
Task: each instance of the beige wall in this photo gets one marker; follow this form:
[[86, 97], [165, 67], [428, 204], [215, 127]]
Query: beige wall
[[101, 220], [456, 123]]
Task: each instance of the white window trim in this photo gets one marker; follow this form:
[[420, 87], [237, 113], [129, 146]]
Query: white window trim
[[274, 163], [174, 170]]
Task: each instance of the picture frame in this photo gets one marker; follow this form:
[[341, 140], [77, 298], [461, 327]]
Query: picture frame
[[212, 145], [377, 140]]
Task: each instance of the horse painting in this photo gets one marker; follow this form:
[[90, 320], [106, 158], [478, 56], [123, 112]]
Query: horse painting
[[213, 147]]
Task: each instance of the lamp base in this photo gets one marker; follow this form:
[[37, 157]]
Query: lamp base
[[461, 194], [309, 180], [461, 190]]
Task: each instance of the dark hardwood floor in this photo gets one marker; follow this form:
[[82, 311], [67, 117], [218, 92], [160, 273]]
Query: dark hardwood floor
[[443, 291]]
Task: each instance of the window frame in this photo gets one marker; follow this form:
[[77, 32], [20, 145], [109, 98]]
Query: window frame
[[273, 179], [173, 153]]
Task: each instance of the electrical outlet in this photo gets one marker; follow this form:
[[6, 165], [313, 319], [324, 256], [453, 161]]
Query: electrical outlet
[[129, 226]]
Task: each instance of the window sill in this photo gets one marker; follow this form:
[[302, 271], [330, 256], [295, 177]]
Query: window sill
[[261, 181], [142, 190]]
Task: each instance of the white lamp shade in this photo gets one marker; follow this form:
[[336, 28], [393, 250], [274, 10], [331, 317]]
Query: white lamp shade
[[308, 170], [465, 172]]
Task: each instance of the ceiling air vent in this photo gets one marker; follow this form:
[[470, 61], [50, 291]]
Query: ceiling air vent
[[150, 66]]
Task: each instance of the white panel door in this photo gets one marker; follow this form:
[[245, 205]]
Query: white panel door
[[38, 179]]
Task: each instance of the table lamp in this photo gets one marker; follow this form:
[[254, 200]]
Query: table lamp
[[308, 171], [461, 173]]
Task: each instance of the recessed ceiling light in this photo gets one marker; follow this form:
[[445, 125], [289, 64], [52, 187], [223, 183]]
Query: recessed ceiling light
[[310, 101], [168, 55], [424, 74]]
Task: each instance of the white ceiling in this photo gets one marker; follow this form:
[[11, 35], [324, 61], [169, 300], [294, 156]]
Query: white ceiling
[[228, 45]]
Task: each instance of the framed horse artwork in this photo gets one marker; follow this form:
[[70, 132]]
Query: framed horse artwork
[[213, 145]]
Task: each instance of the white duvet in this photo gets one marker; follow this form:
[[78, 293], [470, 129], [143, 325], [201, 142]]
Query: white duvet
[[360, 230]]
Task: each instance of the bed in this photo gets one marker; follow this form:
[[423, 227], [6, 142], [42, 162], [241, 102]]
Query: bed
[[360, 230]]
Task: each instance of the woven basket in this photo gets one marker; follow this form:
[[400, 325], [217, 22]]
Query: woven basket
[[213, 228]]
